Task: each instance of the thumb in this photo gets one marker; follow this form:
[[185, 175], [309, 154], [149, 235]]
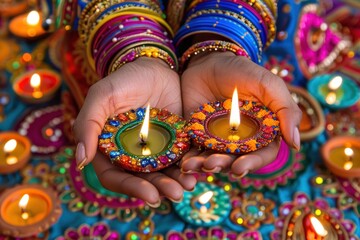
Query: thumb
[[89, 123]]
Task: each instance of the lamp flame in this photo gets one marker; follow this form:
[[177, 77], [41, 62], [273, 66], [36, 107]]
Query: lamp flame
[[24, 201], [348, 165], [10, 146], [145, 126], [349, 152], [35, 81], [335, 83], [318, 227], [205, 197], [235, 112], [33, 18]]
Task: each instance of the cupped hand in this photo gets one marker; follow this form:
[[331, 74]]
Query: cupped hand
[[213, 77], [136, 84]]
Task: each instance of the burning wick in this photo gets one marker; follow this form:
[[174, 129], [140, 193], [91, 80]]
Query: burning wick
[[349, 162], [35, 82], [204, 199], [333, 85], [8, 148], [234, 116]]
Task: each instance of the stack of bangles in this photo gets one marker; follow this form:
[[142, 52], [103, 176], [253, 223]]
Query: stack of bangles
[[116, 32], [249, 24]]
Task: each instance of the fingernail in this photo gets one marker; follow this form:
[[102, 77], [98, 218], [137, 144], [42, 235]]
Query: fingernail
[[80, 156], [238, 176], [191, 190], [214, 170], [176, 201], [186, 171], [296, 139], [154, 205]]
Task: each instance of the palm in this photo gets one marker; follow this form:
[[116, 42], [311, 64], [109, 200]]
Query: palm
[[214, 78], [145, 81]]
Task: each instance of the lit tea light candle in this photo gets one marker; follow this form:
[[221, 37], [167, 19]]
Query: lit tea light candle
[[313, 120], [28, 210], [342, 156], [206, 206], [14, 152], [330, 91], [27, 26], [37, 86], [144, 141], [233, 126]]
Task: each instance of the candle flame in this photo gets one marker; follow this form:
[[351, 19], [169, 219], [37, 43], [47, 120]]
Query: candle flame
[[330, 98], [205, 197], [10, 146], [35, 81], [33, 18], [349, 152], [235, 112], [24, 201], [348, 165], [145, 126], [335, 83], [318, 227]]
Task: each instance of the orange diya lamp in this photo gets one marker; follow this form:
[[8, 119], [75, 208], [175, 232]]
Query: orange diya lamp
[[27, 25], [37, 86], [233, 126], [342, 156], [14, 152], [28, 210]]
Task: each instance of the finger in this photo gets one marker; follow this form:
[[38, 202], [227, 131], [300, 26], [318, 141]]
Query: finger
[[166, 186], [260, 83], [89, 123], [187, 181], [218, 162], [194, 163], [117, 180], [252, 161]]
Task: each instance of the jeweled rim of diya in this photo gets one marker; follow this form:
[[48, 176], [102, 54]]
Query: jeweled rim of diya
[[337, 142], [266, 121], [178, 145], [47, 94], [21, 159], [43, 224], [314, 111]]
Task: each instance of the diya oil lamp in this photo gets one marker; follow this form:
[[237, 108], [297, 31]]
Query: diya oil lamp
[[27, 210], [9, 8], [37, 86], [14, 152], [334, 91], [28, 26], [313, 120], [233, 126], [342, 156], [206, 206], [144, 141]]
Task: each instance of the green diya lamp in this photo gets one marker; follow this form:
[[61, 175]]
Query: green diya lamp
[[144, 141], [233, 126]]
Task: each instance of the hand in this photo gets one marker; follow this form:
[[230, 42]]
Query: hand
[[213, 77], [134, 85]]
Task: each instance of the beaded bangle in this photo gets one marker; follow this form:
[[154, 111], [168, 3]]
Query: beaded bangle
[[142, 51], [209, 46]]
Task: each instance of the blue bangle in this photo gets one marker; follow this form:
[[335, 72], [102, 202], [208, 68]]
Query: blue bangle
[[223, 27], [259, 38], [232, 7]]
